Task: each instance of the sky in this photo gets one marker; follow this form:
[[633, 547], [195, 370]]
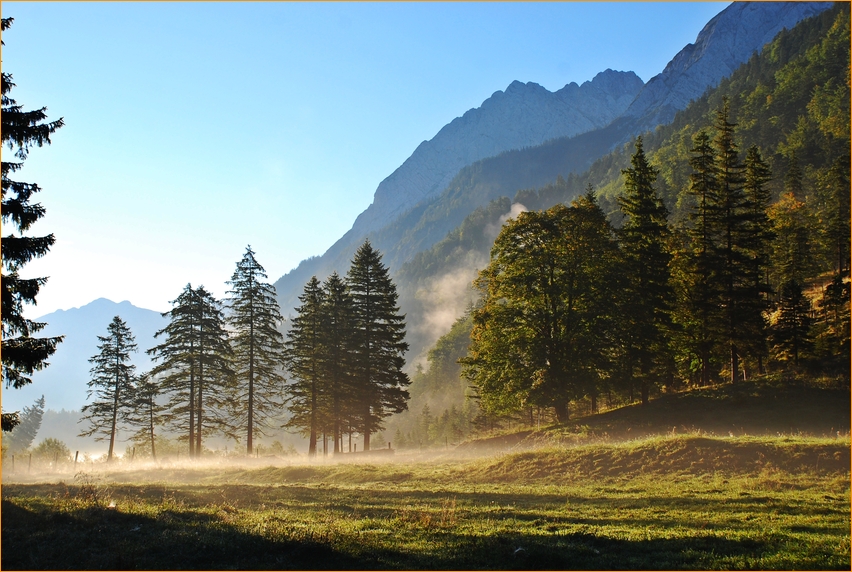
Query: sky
[[195, 129]]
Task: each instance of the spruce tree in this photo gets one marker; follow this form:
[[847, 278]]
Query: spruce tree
[[147, 414], [194, 369], [791, 330], [646, 297], [337, 335], [22, 353], [699, 316], [378, 342], [258, 347], [24, 433], [732, 212], [113, 384], [756, 245], [304, 355]]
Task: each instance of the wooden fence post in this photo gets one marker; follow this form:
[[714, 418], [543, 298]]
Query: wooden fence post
[[77, 454], [13, 463], [30, 464]]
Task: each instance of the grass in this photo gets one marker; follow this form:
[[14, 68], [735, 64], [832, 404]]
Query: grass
[[752, 476], [663, 502]]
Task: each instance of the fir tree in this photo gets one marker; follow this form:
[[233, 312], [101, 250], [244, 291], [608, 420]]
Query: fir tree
[[113, 384], [258, 347], [756, 245], [647, 293], [791, 332], [304, 352], [194, 368], [337, 335], [378, 342], [731, 211], [24, 433], [22, 354], [147, 414], [700, 285]]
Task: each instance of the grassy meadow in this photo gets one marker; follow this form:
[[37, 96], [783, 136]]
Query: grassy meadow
[[675, 499]]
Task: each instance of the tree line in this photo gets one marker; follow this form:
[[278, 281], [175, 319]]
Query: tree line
[[221, 366], [572, 306]]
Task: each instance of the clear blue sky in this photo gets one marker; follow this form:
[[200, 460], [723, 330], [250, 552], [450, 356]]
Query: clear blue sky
[[194, 129]]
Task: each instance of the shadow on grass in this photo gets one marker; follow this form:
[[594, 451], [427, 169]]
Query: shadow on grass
[[97, 538], [102, 539]]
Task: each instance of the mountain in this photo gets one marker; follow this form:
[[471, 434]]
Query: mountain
[[401, 228], [63, 382], [522, 116]]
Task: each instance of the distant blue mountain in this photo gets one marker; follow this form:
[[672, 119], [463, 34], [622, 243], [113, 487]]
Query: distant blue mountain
[[63, 382]]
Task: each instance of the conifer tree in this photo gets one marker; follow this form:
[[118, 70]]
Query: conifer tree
[[337, 335], [304, 353], [258, 347], [378, 342], [22, 353], [756, 245], [699, 316], [791, 332], [147, 414], [732, 211], [194, 368], [24, 433], [113, 384], [646, 296]]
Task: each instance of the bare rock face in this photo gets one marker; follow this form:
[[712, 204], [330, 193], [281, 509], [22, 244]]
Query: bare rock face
[[726, 42], [524, 115]]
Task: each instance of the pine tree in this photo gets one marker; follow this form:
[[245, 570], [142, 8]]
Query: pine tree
[[731, 210], [113, 384], [194, 368], [258, 347], [699, 315], [378, 342], [647, 293], [304, 353], [756, 245], [22, 354], [336, 360], [24, 433], [147, 414], [791, 331]]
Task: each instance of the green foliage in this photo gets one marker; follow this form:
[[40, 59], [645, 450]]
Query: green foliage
[[113, 384], [257, 349], [52, 448], [24, 433], [791, 324], [540, 334], [304, 351], [645, 299], [22, 353], [378, 342], [194, 369]]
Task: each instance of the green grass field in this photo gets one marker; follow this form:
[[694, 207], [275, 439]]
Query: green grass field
[[669, 500]]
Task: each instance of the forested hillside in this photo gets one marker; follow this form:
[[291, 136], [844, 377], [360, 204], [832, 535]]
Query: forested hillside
[[791, 104]]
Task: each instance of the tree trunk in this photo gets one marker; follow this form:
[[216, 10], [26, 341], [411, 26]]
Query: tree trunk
[[735, 364], [561, 409], [367, 430]]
